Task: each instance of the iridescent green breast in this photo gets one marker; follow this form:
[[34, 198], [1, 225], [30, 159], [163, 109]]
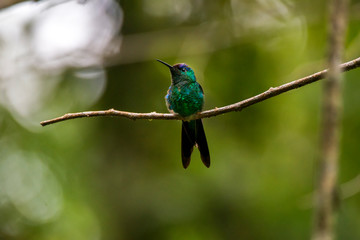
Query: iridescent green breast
[[185, 98]]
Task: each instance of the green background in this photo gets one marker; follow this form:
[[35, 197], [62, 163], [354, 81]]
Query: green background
[[114, 178]]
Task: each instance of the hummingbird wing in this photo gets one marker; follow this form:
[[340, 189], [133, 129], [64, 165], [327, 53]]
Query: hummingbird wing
[[202, 143], [187, 142]]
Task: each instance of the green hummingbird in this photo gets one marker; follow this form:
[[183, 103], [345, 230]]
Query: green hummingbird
[[186, 98]]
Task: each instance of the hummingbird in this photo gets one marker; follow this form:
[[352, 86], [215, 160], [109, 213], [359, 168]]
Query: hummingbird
[[186, 98]]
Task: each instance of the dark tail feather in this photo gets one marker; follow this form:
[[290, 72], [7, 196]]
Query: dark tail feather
[[193, 133], [187, 143], [202, 143]]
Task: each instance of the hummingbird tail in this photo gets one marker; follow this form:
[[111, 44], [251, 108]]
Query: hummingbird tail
[[193, 133], [187, 143], [202, 143]]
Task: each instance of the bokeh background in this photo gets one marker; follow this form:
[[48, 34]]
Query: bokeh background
[[113, 178]]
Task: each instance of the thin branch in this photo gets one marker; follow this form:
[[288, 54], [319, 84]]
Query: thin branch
[[272, 92], [327, 198]]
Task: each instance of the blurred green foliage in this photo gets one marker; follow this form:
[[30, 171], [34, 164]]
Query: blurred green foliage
[[112, 178]]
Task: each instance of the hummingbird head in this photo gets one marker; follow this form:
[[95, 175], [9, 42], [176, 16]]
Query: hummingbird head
[[180, 72]]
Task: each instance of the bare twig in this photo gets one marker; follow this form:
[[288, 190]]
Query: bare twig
[[327, 194], [272, 92], [112, 113]]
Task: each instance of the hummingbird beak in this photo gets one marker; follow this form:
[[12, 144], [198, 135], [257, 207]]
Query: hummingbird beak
[[166, 64]]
